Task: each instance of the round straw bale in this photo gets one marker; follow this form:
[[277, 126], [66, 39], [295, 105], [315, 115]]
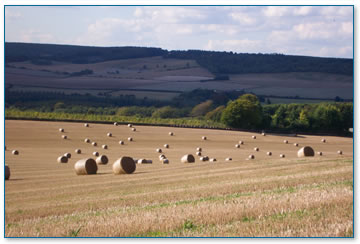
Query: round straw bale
[[62, 159], [64, 137], [237, 145], [162, 156], [253, 137], [86, 166], [263, 134], [228, 159], [188, 158], [104, 146], [116, 123], [212, 160], [61, 130], [241, 142], [204, 138], [251, 156], [133, 129], [124, 165], [306, 152], [129, 125], [323, 140], [165, 161], [15, 152], [171, 133], [7, 172], [68, 155], [198, 153], [340, 152], [166, 145], [130, 139], [159, 150], [102, 159], [206, 158], [86, 125], [109, 134], [141, 161], [296, 144], [78, 151], [286, 141], [87, 140], [320, 153], [96, 154], [94, 144], [121, 142], [269, 153], [148, 161], [199, 149], [282, 155], [256, 149]]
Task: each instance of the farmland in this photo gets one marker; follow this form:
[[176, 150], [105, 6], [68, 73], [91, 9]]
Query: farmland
[[267, 196]]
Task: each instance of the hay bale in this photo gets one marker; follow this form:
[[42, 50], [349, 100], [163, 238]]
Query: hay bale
[[199, 149], [204, 138], [269, 153], [253, 137], [94, 144], [62, 159], [141, 161], [171, 133], [7, 172], [78, 151], [86, 166], [241, 142], [116, 123], [129, 125], [96, 154], [133, 129], [282, 155], [251, 156], [323, 140], [64, 137], [198, 153], [306, 152], [286, 141], [68, 155], [162, 156], [109, 134], [61, 130], [86, 125], [166, 145], [148, 161], [188, 158], [121, 142], [124, 165], [212, 160], [263, 134], [320, 153], [102, 159], [130, 139], [237, 145], [159, 150], [15, 152], [228, 159], [87, 140], [165, 161], [256, 149], [296, 144], [340, 152], [104, 146]]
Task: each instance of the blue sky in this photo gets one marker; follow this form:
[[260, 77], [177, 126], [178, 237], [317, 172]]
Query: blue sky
[[325, 31]]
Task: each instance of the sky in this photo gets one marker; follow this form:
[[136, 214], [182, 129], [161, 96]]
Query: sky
[[325, 31]]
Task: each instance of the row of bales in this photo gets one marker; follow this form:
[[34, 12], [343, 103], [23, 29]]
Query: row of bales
[[127, 165]]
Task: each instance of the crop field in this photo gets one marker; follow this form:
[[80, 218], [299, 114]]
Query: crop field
[[267, 196]]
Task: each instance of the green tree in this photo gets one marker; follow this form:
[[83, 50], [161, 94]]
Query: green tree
[[215, 114], [245, 112], [201, 109]]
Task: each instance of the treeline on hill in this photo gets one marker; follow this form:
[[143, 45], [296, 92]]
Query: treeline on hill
[[219, 63], [236, 110]]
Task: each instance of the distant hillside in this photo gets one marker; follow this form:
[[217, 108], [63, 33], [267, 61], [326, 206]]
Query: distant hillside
[[216, 62]]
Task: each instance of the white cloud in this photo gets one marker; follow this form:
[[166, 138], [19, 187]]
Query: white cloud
[[244, 45], [36, 36], [314, 30], [9, 14], [347, 27], [242, 18], [276, 11], [304, 10]]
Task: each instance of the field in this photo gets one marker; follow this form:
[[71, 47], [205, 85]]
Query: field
[[266, 197]]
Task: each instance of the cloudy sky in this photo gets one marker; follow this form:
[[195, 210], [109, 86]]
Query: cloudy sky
[[300, 30]]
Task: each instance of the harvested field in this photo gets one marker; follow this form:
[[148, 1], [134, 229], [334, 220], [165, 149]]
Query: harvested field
[[265, 196]]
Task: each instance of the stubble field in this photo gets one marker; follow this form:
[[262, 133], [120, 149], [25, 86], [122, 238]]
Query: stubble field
[[268, 196]]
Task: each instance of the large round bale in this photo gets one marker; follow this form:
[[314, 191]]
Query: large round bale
[[320, 153], [296, 144], [141, 161], [286, 141], [165, 161], [62, 159], [188, 158], [86, 125], [109, 134], [15, 152], [269, 153], [124, 165], [212, 160], [199, 149], [263, 134], [166, 145], [68, 155], [116, 123], [253, 137], [204, 138], [87, 140], [148, 161], [129, 125], [64, 137], [228, 159], [340, 152], [282, 155], [121, 142], [96, 154], [130, 139], [171, 133], [306, 152], [7, 172], [202, 159], [61, 130], [256, 149], [323, 140], [198, 153], [86, 166], [237, 145], [78, 151], [102, 159], [104, 146], [162, 156], [241, 142], [133, 129], [94, 144], [159, 150], [251, 156]]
